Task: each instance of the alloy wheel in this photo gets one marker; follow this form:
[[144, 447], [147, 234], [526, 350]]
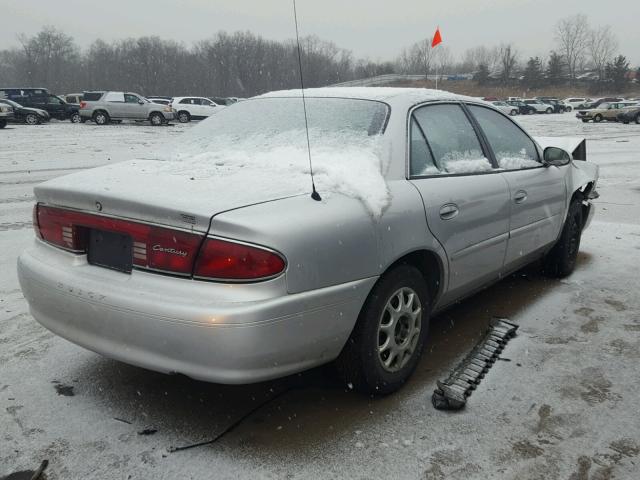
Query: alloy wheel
[[399, 329]]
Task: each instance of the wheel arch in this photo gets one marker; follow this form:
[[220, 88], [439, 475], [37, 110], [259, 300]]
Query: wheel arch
[[430, 265]]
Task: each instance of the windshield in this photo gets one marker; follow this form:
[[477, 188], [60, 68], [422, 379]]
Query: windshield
[[10, 102]]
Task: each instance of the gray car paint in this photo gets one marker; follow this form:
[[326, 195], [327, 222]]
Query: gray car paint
[[335, 252]]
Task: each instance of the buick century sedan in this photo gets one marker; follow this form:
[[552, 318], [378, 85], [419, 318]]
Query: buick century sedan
[[214, 261]]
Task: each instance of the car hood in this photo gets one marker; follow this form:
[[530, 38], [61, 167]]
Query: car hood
[[148, 190]]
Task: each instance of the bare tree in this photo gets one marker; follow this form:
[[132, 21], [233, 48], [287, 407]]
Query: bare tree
[[508, 62], [602, 47], [572, 35]]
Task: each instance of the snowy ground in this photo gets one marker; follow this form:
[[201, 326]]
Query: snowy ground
[[564, 407]]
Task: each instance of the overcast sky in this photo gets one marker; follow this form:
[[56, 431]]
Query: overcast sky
[[377, 29]]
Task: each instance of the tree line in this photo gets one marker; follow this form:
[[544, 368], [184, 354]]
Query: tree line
[[244, 64]]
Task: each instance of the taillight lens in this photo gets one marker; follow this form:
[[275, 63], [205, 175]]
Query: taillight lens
[[154, 247], [83, 104], [231, 261]]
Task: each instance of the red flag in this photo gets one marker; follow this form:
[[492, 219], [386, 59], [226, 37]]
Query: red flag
[[437, 38]]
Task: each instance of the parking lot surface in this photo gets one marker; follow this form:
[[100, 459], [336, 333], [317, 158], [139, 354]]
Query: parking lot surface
[[563, 403]]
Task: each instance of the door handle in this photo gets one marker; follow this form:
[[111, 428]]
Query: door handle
[[520, 196], [449, 211]]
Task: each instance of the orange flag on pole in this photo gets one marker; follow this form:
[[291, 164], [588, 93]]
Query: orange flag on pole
[[437, 38]]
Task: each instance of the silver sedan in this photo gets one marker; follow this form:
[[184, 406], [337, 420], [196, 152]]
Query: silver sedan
[[214, 261]]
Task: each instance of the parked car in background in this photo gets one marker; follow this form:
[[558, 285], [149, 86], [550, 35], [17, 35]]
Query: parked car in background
[[504, 107], [540, 107], [159, 100], [631, 114], [558, 105], [6, 114], [575, 102], [30, 116], [225, 101], [523, 108], [74, 98], [605, 111], [41, 99], [237, 275], [105, 106], [194, 108], [596, 103]]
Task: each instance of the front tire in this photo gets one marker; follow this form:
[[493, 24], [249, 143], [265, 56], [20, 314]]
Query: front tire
[[513, 113], [75, 118], [156, 119], [597, 118], [3, 123], [568, 109], [31, 119], [638, 119], [561, 260], [549, 110], [387, 341]]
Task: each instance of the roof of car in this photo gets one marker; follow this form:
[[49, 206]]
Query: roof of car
[[371, 93]]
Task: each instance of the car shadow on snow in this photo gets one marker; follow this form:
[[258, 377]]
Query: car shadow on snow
[[303, 411]]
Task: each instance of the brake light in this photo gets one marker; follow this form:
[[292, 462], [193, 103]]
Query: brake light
[[227, 260], [155, 248], [83, 104]]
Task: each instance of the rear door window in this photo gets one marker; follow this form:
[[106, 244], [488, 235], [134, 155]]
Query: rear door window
[[130, 98], [451, 139], [512, 147]]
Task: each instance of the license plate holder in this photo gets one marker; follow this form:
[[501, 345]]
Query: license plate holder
[[110, 250]]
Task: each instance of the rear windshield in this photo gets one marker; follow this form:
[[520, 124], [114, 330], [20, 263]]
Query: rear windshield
[[274, 121], [92, 96]]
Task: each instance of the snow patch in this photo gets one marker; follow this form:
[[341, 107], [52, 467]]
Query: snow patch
[[345, 163], [470, 161]]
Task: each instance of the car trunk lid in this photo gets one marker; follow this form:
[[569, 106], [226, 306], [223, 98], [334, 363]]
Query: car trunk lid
[[147, 191]]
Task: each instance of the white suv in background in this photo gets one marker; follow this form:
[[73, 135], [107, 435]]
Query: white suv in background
[[576, 102], [193, 108], [540, 106]]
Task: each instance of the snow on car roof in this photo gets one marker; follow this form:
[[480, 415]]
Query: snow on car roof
[[371, 93]]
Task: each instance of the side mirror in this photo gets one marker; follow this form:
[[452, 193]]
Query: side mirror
[[554, 156], [140, 102]]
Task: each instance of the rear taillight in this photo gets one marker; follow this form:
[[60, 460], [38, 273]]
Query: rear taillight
[[232, 261], [83, 104], [155, 248]]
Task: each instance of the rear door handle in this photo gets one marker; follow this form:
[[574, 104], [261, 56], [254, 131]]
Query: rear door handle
[[520, 196], [449, 211]]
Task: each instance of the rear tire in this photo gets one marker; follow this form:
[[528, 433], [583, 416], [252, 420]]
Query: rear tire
[[561, 260], [31, 119], [184, 117], [638, 118], [156, 119], [513, 113], [597, 118], [3, 123], [568, 109], [387, 341], [549, 110], [101, 118], [75, 118]]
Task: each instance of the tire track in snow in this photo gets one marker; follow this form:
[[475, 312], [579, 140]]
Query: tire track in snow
[[15, 226]]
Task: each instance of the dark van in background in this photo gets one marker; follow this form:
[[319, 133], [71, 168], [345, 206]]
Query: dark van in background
[[41, 98]]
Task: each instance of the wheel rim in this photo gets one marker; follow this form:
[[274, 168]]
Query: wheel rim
[[155, 119], [100, 118], [75, 119], [31, 119], [399, 329], [597, 118], [183, 118]]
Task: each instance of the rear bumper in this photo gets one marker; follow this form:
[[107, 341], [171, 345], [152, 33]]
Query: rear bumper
[[214, 332]]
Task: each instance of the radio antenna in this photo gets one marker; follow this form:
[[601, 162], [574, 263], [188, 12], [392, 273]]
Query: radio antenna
[[314, 194]]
